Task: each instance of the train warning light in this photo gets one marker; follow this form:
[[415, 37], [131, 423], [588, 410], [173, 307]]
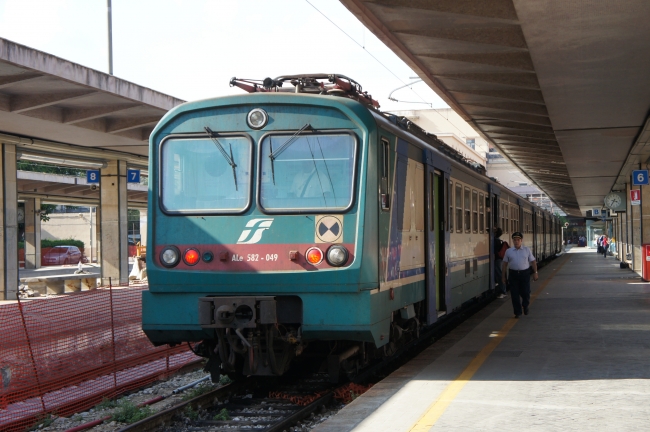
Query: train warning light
[[191, 257], [314, 255]]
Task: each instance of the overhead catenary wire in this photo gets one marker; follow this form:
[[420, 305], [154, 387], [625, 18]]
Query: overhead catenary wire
[[364, 48], [409, 85]]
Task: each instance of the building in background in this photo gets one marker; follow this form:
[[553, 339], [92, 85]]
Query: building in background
[[450, 127]]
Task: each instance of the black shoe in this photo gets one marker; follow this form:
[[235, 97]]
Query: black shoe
[[525, 311]]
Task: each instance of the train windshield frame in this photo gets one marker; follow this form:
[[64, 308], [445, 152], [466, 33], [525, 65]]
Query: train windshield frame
[[310, 172], [205, 175]]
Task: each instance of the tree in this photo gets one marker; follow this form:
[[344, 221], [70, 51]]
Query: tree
[[46, 209], [49, 169]]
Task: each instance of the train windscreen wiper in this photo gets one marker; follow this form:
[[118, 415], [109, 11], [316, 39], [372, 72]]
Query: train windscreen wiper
[[320, 183], [229, 159], [274, 154]]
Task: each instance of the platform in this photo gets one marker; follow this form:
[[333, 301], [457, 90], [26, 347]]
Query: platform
[[578, 361]]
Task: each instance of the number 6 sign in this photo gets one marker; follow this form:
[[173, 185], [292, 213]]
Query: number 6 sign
[[640, 177]]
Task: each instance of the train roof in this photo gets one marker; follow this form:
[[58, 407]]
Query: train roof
[[345, 93]]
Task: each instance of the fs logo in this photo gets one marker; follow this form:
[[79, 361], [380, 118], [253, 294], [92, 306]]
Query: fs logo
[[262, 225]]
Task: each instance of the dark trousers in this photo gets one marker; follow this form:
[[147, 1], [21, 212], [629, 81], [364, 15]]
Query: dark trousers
[[605, 249], [498, 278], [519, 282]]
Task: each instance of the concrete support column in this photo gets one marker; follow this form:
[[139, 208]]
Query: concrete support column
[[8, 222], [113, 223], [98, 234], [32, 233], [635, 234], [143, 227]]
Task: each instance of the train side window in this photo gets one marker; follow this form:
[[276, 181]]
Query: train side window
[[459, 207], [468, 218], [450, 205], [481, 213], [432, 206], [409, 195], [474, 211], [419, 197], [385, 170]]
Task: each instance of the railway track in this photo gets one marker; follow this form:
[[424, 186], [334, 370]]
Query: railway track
[[275, 406], [249, 404]]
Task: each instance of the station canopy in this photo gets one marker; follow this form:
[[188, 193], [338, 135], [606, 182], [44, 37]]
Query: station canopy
[[561, 88], [56, 110]]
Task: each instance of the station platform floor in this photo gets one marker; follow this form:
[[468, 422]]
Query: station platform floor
[[580, 361]]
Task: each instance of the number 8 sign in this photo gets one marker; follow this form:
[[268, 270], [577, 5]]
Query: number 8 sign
[[92, 176], [640, 177]]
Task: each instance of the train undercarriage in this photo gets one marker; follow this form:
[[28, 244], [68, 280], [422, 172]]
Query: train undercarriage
[[262, 336]]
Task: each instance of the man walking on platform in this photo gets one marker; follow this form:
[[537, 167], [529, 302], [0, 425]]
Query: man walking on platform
[[518, 262]]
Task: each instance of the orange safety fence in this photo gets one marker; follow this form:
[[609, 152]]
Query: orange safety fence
[[63, 355]]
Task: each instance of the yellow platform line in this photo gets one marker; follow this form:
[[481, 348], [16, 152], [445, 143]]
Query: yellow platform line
[[440, 405]]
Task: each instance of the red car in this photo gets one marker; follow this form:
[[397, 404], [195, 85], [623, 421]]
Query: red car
[[60, 255]]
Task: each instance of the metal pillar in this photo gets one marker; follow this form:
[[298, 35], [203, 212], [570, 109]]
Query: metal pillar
[[113, 223], [32, 233]]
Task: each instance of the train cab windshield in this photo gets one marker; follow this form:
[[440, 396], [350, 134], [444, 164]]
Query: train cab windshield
[[312, 172], [206, 175]]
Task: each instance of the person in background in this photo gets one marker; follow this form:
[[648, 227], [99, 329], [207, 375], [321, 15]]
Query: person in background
[[520, 261], [499, 285], [605, 245]]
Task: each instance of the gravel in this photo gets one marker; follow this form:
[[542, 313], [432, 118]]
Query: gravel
[[160, 388]]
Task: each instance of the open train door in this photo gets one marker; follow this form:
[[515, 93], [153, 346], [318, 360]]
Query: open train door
[[437, 236]]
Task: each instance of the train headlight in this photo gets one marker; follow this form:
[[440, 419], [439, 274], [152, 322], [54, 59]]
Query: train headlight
[[170, 256], [337, 255], [314, 256], [191, 256], [257, 118]]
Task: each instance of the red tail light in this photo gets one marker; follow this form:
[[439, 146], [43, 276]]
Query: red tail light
[[191, 257], [314, 256]]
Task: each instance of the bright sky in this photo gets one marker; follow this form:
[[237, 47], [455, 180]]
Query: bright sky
[[191, 48]]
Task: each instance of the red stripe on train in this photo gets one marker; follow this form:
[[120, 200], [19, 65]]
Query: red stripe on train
[[255, 257]]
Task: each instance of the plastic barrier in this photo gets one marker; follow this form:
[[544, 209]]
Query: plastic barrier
[[65, 354]]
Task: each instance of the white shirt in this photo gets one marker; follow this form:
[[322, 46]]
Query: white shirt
[[518, 259]]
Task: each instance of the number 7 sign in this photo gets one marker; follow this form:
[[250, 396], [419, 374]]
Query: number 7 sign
[[133, 176]]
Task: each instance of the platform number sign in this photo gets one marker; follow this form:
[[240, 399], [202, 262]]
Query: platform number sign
[[595, 212], [640, 177], [92, 176], [133, 176]]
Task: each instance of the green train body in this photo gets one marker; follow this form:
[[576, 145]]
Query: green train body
[[238, 216]]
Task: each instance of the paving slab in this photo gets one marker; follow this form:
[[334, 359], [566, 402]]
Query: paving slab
[[578, 361]]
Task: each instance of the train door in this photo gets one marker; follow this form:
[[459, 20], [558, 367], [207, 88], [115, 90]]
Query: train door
[[436, 230], [413, 223], [493, 222]]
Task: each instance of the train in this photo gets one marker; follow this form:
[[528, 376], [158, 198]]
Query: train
[[296, 221]]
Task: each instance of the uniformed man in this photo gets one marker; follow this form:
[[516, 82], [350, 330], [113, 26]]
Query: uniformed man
[[517, 264]]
